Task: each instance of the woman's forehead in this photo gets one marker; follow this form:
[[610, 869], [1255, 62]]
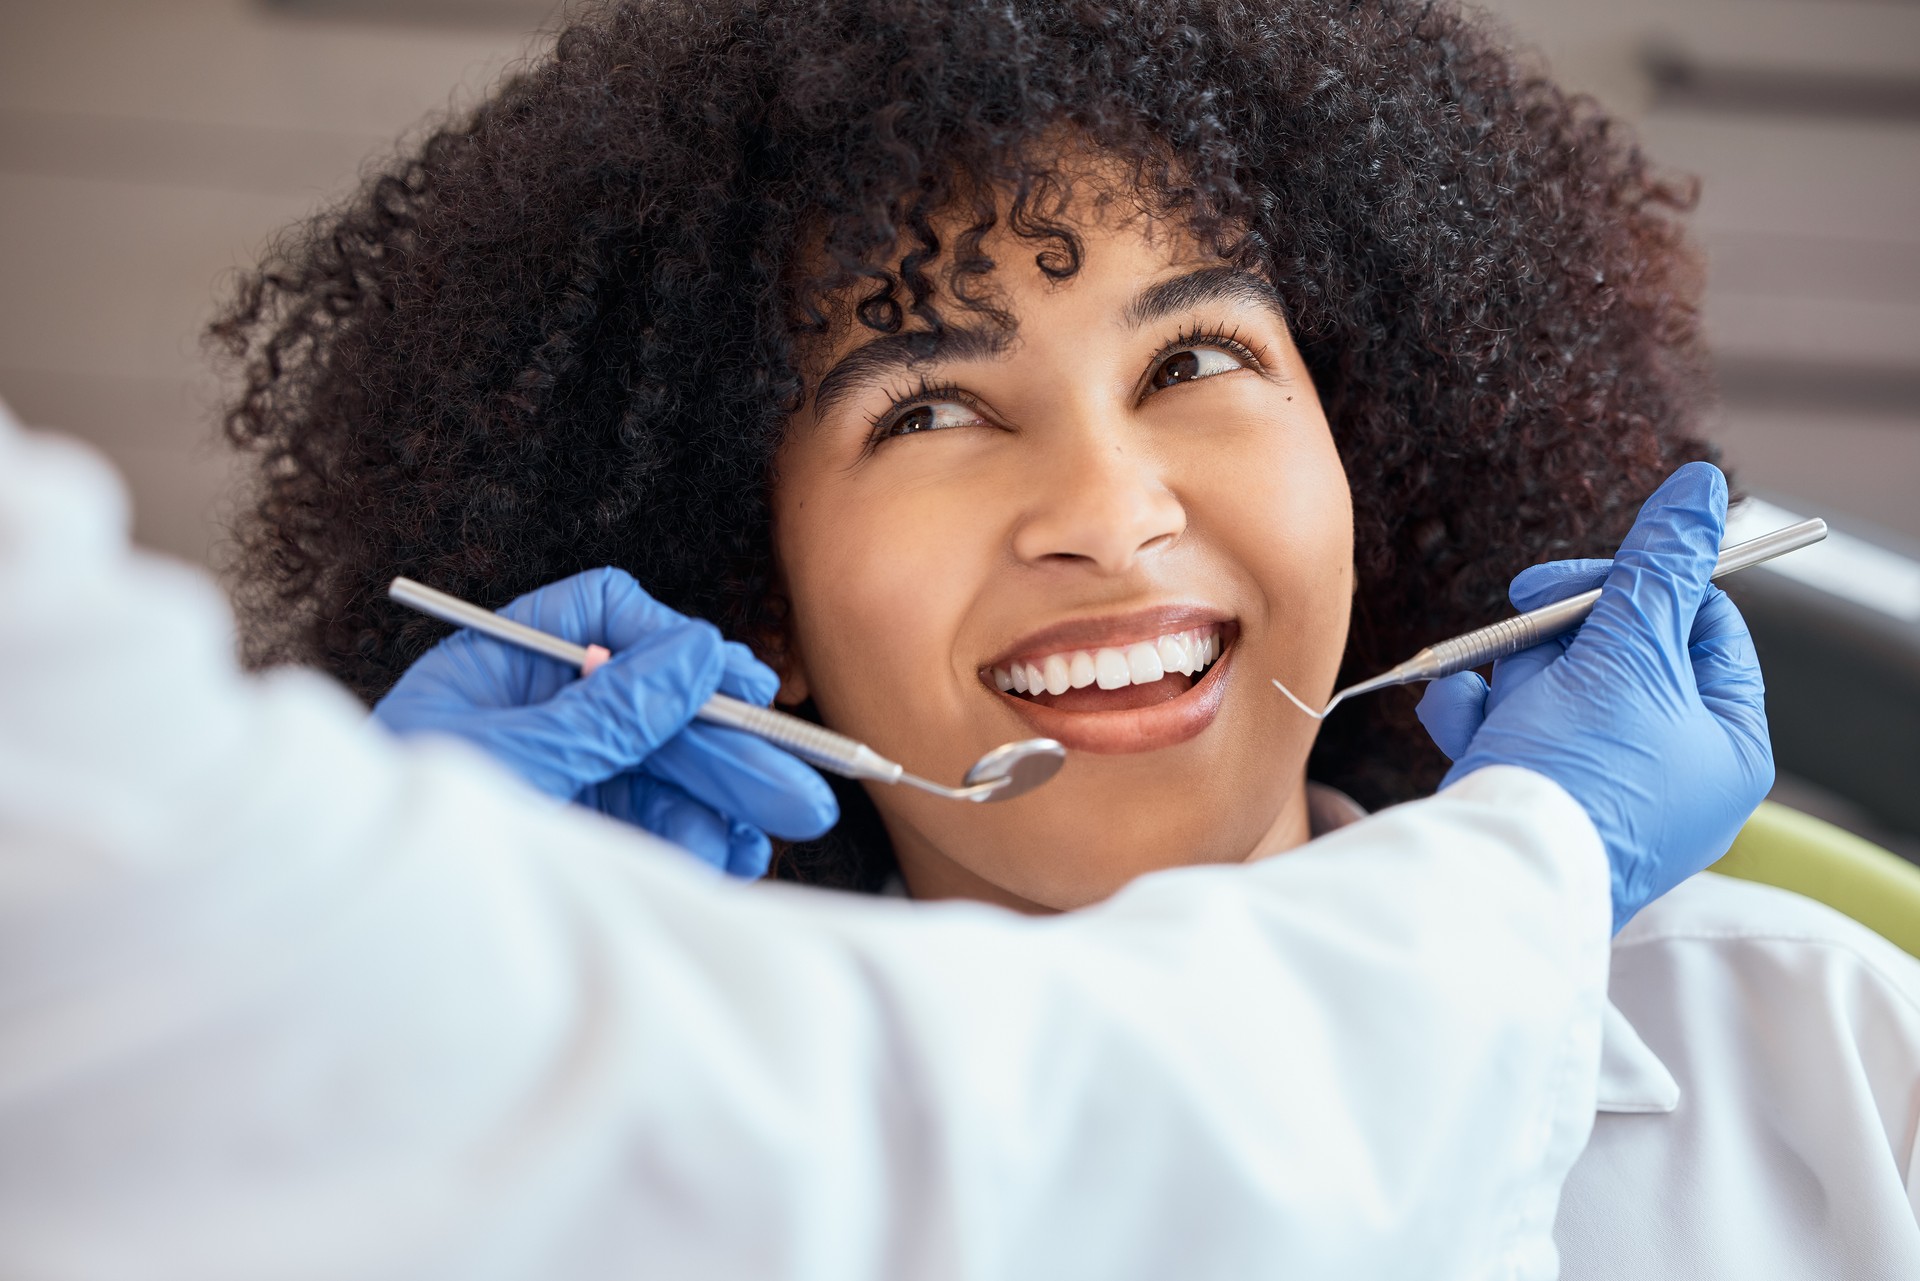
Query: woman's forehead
[[1119, 241]]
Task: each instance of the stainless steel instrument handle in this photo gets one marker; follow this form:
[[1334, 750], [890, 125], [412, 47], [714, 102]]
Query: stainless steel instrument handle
[[1508, 636], [1511, 635], [451, 609], [815, 744]]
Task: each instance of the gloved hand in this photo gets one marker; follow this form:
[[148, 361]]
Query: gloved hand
[[622, 741], [1651, 714]]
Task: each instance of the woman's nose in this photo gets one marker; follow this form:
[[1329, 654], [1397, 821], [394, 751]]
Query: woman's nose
[[1102, 505]]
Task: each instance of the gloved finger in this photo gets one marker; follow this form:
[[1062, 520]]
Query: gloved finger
[[596, 607], [749, 779], [750, 853], [1726, 671], [1660, 575], [1515, 670], [608, 607], [468, 670], [746, 677], [1718, 619], [669, 813], [1452, 709], [1555, 580], [604, 606], [692, 826], [610, 722]]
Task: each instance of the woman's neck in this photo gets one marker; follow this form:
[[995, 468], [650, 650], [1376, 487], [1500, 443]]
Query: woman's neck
[[930, 873]]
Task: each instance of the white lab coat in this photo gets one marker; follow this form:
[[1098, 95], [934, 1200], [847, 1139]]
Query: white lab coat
[[1759, 1097], [281, 997]]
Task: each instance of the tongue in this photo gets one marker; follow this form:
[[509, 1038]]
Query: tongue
[[1125, 699]]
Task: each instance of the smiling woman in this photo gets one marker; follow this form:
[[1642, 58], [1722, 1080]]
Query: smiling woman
[[992, 370], [1106, 519]]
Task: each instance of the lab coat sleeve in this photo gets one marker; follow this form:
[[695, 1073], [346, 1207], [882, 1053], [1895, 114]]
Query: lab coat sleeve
[[281, 997]]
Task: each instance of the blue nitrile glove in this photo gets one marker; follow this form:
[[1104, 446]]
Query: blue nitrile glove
[[622, 741], [1651, 714]]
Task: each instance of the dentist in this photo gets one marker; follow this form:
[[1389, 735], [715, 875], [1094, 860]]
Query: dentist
[[283, 994]]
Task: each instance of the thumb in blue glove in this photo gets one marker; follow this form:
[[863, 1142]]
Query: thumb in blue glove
[[1453, 707], [623, 741], [1651, 714]]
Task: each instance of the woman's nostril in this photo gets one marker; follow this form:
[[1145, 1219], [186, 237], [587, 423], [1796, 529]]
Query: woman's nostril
[[1160, 542]]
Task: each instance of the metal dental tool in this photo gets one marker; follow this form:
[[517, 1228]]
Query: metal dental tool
[[1010, 770], [1509, 636]]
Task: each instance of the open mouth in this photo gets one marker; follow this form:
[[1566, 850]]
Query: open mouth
[[1137, 696], [1116, 678]]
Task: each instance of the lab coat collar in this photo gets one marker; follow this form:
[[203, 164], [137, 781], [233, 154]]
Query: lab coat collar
[[1632, 1077]]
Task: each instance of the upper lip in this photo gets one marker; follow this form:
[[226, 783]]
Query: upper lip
[[1111, 630]]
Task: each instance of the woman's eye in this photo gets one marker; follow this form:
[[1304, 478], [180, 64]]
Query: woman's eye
[[931, 417], [1194, 362]]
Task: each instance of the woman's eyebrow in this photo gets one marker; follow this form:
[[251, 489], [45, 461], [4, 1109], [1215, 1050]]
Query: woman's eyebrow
[[896, 353], [1208, 284]]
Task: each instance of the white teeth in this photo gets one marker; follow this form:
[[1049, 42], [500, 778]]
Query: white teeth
[[1173, 655], [1110, 669], [1143, 663]]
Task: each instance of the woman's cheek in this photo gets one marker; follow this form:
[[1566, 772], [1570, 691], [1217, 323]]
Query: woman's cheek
[[881, 606], [1283, 511], [1276, 487]]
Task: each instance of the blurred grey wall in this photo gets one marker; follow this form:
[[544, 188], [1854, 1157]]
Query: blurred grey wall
[[1802, 120], [149, 148]]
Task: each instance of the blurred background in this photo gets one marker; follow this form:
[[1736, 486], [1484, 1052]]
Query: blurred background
[[148, 148]]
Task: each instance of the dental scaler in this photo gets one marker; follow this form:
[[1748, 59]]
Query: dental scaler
[[1523, 631]]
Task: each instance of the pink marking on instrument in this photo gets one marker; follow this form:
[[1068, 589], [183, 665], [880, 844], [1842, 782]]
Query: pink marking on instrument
[[596, 655]]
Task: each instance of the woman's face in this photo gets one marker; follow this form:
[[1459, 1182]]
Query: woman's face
[[1133, 479]]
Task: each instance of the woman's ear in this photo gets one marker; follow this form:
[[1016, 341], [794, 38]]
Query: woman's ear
[[794, 687], [775, 648]]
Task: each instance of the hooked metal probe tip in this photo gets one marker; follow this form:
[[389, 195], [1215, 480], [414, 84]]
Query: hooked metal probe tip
[[1294, 698], [1364, 687]]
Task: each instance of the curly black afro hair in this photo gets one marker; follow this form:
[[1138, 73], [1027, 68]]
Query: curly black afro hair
[[566, 330]]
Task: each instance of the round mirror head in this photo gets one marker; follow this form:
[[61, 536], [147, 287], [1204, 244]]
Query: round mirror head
[[1024, 765]]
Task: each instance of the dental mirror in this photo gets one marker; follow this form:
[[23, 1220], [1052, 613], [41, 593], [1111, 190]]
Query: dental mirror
[[1020, 766]]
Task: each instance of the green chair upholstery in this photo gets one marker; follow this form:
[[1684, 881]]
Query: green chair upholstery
[[1798, 852]]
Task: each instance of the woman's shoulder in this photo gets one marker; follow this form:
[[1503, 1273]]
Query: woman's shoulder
[[1788, 1039], [1758, 984]]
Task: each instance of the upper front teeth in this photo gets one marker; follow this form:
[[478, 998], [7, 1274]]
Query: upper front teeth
[[1139, 664]]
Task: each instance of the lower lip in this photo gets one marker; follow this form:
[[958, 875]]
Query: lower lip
[[1141, 729]]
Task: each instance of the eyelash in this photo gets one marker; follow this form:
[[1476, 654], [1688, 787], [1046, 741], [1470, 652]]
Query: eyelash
[[925, 393]]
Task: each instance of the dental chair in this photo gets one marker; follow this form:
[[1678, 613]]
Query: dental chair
[[1798, 852]]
